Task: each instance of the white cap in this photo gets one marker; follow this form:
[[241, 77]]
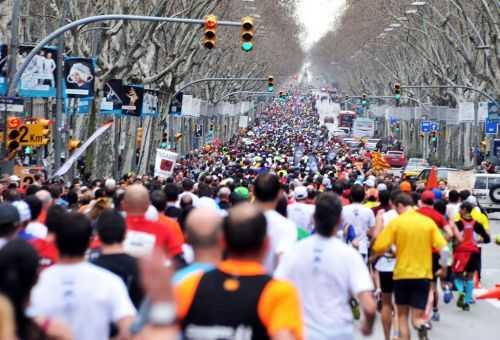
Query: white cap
[[300, 193], [110, 184], [24, 211], [381, 187], [472, 200], [370, 183], [14, 178]]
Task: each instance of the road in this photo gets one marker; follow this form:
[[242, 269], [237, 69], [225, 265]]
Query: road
[[482, 322]]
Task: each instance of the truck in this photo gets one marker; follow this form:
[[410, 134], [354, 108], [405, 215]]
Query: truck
[[363, 127]]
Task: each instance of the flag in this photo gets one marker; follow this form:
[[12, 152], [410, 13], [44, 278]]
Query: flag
[[432, 181]]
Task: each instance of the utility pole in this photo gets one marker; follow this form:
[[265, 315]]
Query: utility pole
[[8, 166], [57, 130]]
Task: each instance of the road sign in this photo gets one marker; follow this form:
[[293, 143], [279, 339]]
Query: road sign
[[32, 133], [434, 126], [493, 111], [491, 127], [426, 126], [14, 104]]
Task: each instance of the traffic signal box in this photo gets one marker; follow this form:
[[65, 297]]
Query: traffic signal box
[[246, 34], [270, 84], [74, 144], [210, 32], [138, 137], [397, 93]]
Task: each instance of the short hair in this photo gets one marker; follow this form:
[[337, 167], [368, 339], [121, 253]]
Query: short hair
[[416, 197], [453, 196], [35, 205], [467, 206], [244, 233], [11, 195], [32, 189], [172, 192], [55, 191], [440, 207], [357, 193], [187, 184], [464, 194], [55, 218], [73, 238], [158, 200], [403, 199], [384, 197], [204, 190], [327, 213], [111, 227], [267, 187], [72, 197]]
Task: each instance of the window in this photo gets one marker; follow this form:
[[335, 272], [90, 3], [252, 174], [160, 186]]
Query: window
[[492, 181], [481, 182]]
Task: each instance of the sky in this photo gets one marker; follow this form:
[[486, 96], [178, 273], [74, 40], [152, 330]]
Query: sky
[[317, 16]]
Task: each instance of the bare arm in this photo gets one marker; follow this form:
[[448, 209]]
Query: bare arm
[[369, 308], [283, 335]]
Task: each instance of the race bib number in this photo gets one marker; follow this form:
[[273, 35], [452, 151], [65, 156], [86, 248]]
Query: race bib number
[[139, 244]]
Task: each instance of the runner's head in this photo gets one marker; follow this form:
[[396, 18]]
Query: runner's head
[[453, 196], [267, 188], [159, 200], [203, 228], [357, 193], [402, 202], [427, 198], [9, 220], [73, 237], [327, 213], [466, 210], [111, 227], [136, 200], [245, 230]]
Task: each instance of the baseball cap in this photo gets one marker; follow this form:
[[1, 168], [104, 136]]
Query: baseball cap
[[242, 192], [472, 200], [381, 187], [300, 193], [8, 213], [370, 183], [405, 186], [23, 209], [427, 195]]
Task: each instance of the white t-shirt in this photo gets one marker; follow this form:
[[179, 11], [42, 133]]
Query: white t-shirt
[[327, 273], [387, 263], [452, 209], [282, 235], [37, 229], [302, 215], [88, 298], [362, 219]]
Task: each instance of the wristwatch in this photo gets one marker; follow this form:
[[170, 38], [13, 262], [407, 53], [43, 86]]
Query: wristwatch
[[162, 314]]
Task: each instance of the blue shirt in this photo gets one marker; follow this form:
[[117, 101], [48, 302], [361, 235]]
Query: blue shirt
[[193, 268]]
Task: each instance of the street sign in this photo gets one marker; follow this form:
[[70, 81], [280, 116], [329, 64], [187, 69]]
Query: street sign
[[491, 127], [493, 111], [426, 126], [434, 126], [11, 104]]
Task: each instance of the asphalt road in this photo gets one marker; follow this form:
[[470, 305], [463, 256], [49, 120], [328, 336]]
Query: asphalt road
[[482, 322]]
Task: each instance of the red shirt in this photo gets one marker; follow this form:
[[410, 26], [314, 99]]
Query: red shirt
[[434, 215], [47, 251], [143, 235]]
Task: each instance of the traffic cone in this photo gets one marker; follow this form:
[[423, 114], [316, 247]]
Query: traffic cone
[[477, 285], [491, 294]]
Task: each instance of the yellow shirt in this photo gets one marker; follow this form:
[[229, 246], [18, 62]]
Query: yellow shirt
[[414, 236], [477, 216], [370, 204]]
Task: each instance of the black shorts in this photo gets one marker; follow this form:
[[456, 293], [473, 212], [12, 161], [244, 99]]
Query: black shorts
[[386, 282], [435, 265], [412, 292], [474, 263]]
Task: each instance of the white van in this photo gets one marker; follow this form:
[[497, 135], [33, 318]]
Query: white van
[[487, 191]]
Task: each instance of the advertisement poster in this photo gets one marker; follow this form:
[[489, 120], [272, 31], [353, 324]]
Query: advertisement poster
[[77, 105], [165, 163], [150, 103], [3, 69], [79, 76], [132, 105], [113, 97], [39, 77]]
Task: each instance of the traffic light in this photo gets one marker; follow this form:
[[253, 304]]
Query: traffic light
[[397, 93], [246, 34], [45, 123], [364, 100], [138, 138], [178, 137], [164, 141], [13, 134], [270, 84], [73, 144], [209, 35]]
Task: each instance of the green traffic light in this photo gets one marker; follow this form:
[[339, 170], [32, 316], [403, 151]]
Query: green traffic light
[[364, 102], [398, 96], [247, 46], [270, 88]]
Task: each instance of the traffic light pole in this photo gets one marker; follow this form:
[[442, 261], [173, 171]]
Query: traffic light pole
[[389, 97], [254, 93], [216, 79]]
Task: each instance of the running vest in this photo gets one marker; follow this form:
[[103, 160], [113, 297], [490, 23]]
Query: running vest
[[226, 307], [468, 234]]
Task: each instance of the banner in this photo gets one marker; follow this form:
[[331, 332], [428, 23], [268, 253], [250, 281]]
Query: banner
[[460, 180], [132, 105], [39, 77], [243, 124], [150, 103], [77, 105], [165, 163], [3, 69], [78, 152], [176, 105], [113, 97], [79, 76]]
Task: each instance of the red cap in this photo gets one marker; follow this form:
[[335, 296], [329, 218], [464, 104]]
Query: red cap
[[427, 195]]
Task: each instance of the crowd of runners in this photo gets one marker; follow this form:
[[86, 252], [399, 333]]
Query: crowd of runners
[[282, 233]]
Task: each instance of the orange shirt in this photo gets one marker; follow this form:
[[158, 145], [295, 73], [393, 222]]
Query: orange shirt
[[278, 306], [174, 229]]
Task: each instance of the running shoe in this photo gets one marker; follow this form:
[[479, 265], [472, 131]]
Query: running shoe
[[435, 316], [447, 296], [422, 332], [460, 300], [466, 307]]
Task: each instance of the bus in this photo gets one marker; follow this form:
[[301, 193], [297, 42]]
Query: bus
[[346, 119]]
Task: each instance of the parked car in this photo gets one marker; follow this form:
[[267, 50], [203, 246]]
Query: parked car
[[487, 191], [395, 159], [414, 167], [340, 132], [442, 174], [371, 144]]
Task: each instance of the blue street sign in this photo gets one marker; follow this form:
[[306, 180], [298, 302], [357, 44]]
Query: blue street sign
[[434, 126], [426, 126], [491, 127], [493, 111]]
